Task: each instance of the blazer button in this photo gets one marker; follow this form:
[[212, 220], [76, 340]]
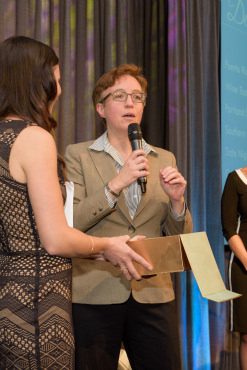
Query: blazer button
[[94, 213], [100, 209], [131, 229]]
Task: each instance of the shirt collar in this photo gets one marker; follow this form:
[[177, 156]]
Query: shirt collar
[[102, 144]]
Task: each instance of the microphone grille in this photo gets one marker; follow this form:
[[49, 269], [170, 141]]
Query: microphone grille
[[134, 131]]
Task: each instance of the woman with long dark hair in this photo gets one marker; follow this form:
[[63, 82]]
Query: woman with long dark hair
[[36, 242]]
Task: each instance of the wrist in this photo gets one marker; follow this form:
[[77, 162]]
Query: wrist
[[100, 245], [177, 206], [112, 190], [106, 245]]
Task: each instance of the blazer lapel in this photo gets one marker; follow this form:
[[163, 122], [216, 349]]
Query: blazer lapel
[[151, 183], [105, 166]]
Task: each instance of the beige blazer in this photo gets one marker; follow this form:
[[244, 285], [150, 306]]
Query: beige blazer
[[98, 282]]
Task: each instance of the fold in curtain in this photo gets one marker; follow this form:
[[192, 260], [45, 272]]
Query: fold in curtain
[[177, 43], [109, 33], [194, 137]]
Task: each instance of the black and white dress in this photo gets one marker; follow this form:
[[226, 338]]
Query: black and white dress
[[36, 329], [234, 221]]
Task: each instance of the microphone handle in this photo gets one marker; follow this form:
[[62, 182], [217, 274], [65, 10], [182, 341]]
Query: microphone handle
[[135, 145], [142, 185]]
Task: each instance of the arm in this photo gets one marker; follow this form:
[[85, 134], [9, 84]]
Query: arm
[[174, 184], [238, 248], [89, 209], [37, 166], [229, 220]]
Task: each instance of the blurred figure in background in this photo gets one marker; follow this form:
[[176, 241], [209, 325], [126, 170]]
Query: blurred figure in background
[[234, 225]]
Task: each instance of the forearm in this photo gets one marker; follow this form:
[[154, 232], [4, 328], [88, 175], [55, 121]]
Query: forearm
[[237, 246], [69, 242], [90, 201], [91, 210]]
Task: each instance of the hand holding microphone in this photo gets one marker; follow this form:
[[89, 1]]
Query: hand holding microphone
[[135, 163], [135, 138]]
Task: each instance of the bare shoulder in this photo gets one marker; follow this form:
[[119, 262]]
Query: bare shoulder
[[33, 149], [34, 143], [244, 169], [31, 133], [34, 138]]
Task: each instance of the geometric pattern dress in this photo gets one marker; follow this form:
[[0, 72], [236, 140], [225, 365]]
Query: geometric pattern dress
[[36, 329]]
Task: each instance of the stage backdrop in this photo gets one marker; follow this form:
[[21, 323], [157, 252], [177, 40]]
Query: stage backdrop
[[233, 85], [177, 43]]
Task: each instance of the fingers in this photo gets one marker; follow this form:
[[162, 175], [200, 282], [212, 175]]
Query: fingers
[[131, 273], [136, 257], [120, 254], [141, 162], [126, 273], [129, 270], [172, 176], [134, 167], [137, 237], [137, 153], [138, 160]]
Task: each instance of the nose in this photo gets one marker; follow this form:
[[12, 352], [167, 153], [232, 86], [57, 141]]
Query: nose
[[129, 100]]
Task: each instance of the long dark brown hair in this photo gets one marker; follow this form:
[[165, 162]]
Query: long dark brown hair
[[27, 82]]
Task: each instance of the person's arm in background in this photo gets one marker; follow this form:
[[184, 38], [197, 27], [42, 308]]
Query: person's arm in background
[[229, 220]]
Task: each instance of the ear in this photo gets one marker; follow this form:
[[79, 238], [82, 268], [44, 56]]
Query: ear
[[101, 109]]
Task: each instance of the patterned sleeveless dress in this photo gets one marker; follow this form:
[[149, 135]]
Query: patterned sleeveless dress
[[36, 329]]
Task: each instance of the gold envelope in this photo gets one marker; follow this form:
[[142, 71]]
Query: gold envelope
[[165, 254], [185, 252]]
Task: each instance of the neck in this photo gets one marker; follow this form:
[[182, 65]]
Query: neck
[[121, 144]]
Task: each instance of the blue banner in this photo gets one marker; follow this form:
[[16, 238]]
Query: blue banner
[[233, 85]]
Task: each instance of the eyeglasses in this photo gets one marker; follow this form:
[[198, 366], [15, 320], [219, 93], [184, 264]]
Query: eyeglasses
[[123, 95]]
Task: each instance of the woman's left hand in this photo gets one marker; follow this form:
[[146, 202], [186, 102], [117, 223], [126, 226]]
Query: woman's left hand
[[173, 183]]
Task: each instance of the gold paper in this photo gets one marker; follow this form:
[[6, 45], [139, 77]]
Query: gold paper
[[165, 255], [184, 252]]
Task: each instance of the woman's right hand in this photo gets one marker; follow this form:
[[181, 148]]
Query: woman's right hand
[[130, 172], [120, 254]]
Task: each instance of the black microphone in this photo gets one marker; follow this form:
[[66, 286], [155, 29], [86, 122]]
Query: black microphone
[[135, 138]]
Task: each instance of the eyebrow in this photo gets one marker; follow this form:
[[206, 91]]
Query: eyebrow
[[126, 91]]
